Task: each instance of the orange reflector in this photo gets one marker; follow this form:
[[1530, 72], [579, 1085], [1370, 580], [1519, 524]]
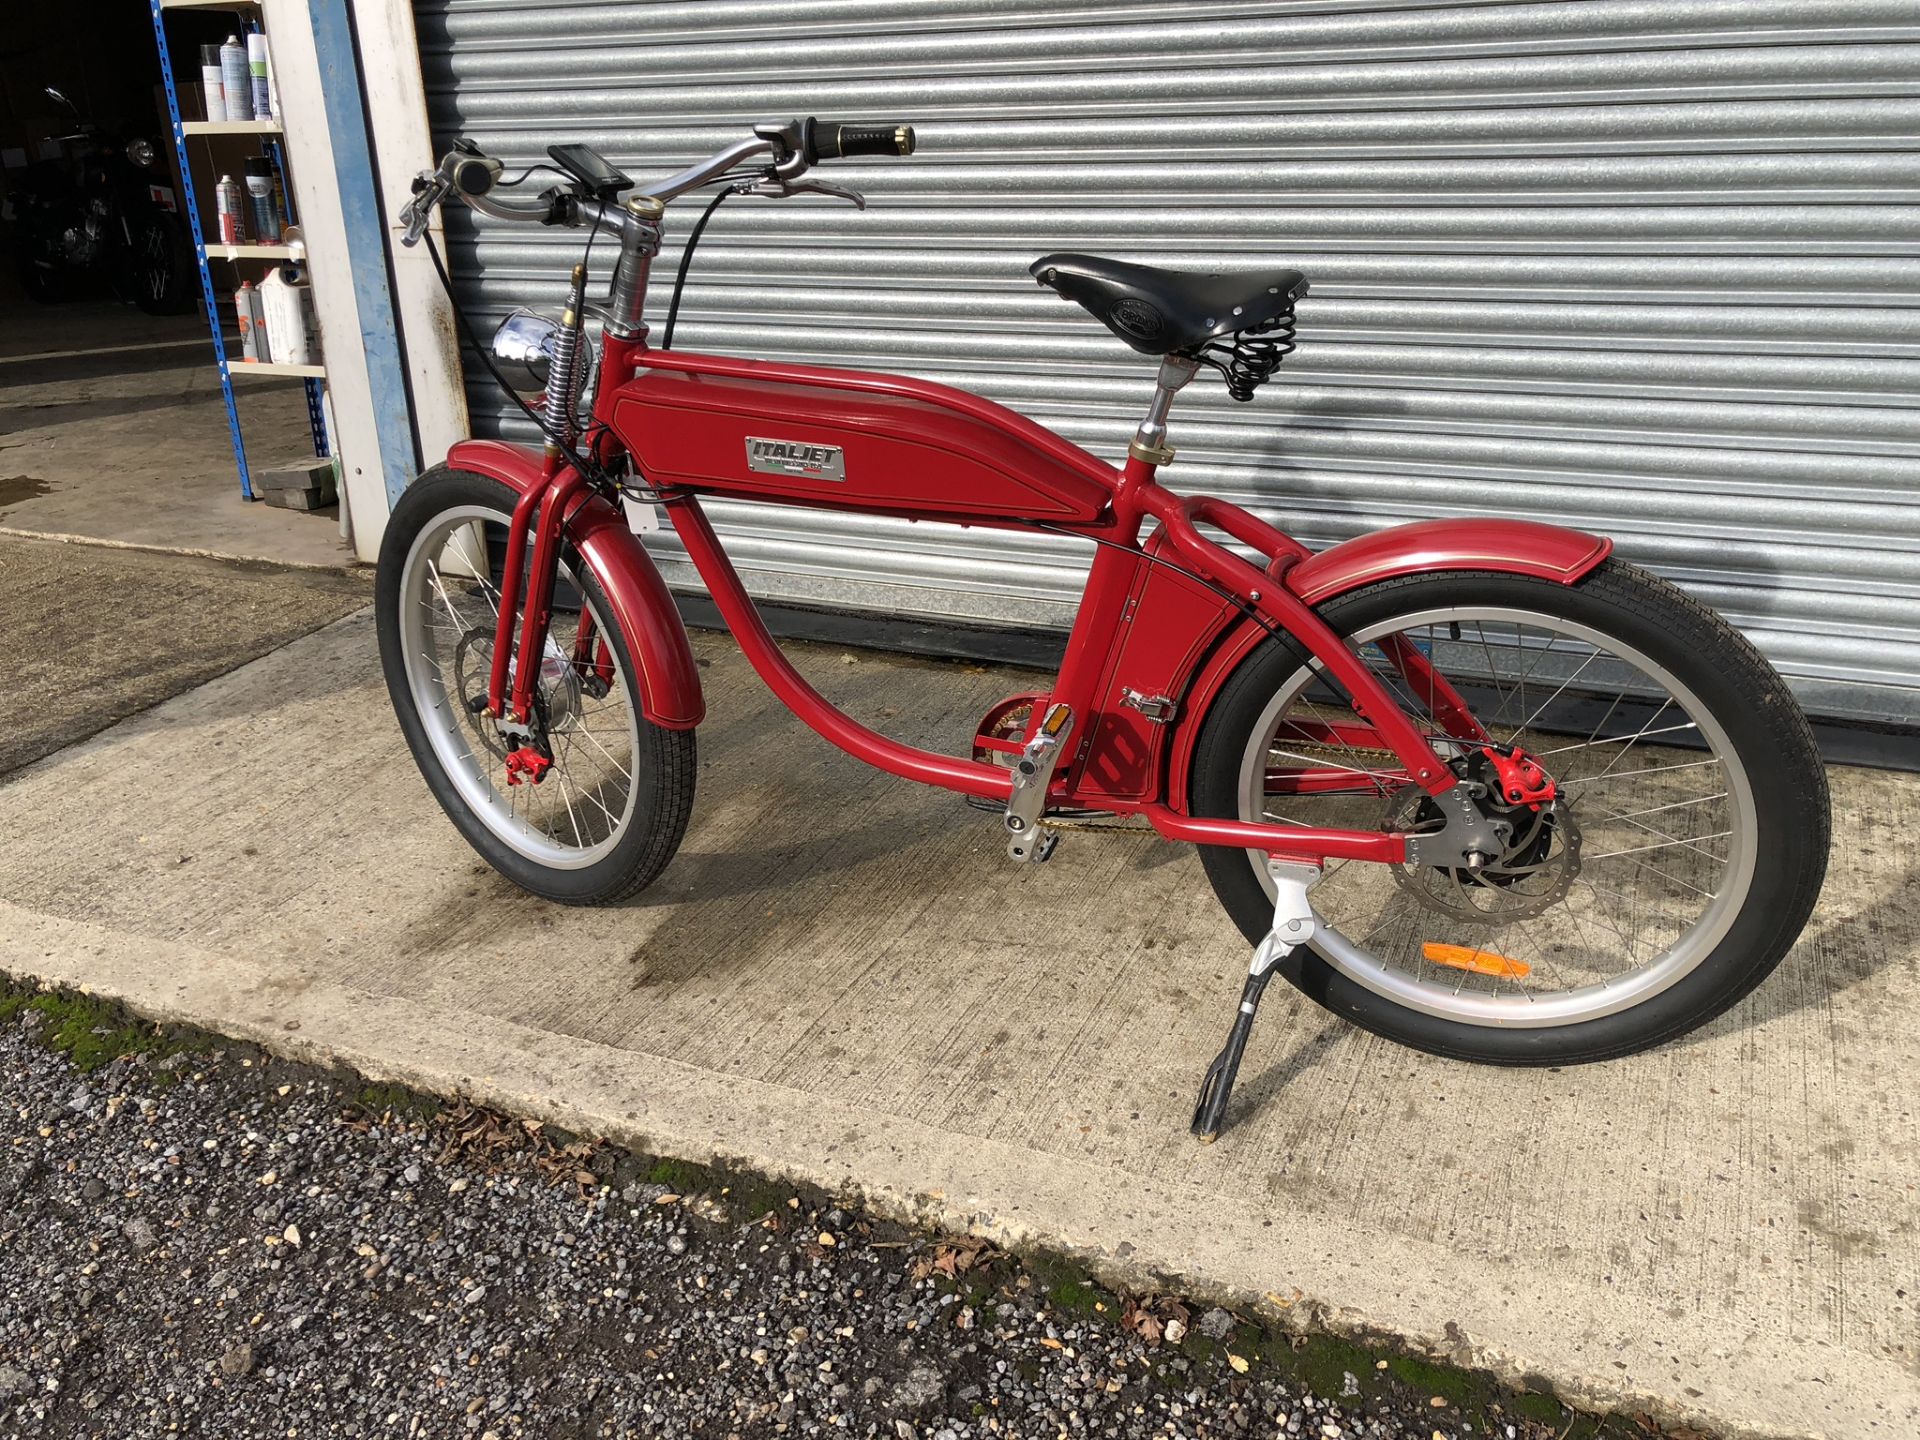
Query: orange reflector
[[1480, 962]]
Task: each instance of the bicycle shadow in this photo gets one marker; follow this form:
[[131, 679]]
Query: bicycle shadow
[[1836, 953]]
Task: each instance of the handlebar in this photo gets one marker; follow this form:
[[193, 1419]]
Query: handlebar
[[794, 145]]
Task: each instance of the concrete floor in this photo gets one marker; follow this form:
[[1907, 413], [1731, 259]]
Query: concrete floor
[[841, 979], [110, 631], [112, 428]]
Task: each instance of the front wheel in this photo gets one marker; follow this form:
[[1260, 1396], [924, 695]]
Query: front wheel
[[605, 817], [155, 271], [1678, 860]]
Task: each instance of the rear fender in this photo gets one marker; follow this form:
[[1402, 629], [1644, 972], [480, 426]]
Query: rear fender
[[670, 694], [1509, 547]]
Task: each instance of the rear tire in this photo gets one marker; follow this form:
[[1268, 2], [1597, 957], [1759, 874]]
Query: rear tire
[[1771, 756], [454, 751]]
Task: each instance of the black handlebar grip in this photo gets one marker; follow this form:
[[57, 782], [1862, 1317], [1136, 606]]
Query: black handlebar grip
[[475, 171], [838, 139]]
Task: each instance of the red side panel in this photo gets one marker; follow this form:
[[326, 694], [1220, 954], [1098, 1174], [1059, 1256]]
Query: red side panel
[[670, 693], [1171, 621], [1518, 547], [892, 452]]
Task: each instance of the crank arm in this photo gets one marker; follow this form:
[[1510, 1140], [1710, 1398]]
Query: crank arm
[[1029, 840]]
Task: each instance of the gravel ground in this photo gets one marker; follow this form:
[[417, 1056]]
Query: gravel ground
[[203, 1241]]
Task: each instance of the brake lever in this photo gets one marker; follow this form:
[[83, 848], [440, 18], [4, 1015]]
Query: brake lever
[[776, 187], [429, 189]]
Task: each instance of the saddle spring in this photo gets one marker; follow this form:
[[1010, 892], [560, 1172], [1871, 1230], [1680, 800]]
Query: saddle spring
[[1249, 357]]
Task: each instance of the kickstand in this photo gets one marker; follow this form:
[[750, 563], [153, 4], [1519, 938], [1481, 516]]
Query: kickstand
[[1292, 925]]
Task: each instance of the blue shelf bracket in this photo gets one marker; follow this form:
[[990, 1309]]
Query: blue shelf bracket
[[317, 419], [200, 248]]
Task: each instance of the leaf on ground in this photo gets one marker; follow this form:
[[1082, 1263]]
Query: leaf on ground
[[1156, 1318], [953, 1258]]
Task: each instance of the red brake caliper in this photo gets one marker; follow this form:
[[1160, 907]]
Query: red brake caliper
[[1522, 781], [527, 765]]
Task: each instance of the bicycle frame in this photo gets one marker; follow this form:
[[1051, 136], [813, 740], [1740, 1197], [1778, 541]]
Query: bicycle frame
[[1139, 598]]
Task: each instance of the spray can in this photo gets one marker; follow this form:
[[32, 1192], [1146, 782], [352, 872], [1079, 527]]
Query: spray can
[[211, 89], [247, 311], [291, 325], [264, 201], [227, 202], [257, 75], [235, 81]]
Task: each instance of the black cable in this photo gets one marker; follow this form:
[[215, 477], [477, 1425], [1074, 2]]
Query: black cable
[[538, 165], [686, 260], [486, 359]]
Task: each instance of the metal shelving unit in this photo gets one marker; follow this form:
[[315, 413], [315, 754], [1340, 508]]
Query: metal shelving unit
[[269, 132]]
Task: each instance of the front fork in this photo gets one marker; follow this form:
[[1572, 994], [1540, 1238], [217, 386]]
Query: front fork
[[510, 686]]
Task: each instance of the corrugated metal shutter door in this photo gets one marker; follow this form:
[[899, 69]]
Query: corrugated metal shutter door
[[1643, 266]]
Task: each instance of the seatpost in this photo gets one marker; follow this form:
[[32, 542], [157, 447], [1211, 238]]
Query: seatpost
[[1150, 441]]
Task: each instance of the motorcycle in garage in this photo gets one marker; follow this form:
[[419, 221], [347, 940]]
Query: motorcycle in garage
[[102, 211]]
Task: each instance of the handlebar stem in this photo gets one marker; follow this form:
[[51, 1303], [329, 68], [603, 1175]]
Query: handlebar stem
[[639, 242]]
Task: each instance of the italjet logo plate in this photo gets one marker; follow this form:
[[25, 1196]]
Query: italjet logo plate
[[795, 457]]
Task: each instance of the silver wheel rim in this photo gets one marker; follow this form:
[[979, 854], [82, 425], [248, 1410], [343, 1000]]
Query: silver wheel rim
[[1438, 991], [579, 813]]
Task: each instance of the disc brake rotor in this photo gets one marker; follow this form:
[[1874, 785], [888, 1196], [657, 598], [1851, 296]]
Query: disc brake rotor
[[556, 697], [1532, 873], [472, 670]]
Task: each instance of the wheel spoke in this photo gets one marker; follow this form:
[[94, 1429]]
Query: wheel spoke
[[586, 799], [1605, 893]]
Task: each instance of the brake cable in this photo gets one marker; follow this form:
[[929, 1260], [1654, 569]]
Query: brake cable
[[686, 262], [591, 470]]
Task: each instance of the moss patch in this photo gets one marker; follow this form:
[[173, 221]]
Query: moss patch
[[1069, 1287], [92, 1032], [397, 1101]]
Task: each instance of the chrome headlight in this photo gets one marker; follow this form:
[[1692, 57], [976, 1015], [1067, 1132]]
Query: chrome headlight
[[526, 338], [140, 152]]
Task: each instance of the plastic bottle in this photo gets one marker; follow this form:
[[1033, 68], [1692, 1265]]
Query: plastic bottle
[[257, 76], [291, 326], [211, 89], [253, 332], [228, 199], [265, 203], [235, 80]]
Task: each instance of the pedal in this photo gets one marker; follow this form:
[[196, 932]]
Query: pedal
[[1030, 841], [1293, 925]]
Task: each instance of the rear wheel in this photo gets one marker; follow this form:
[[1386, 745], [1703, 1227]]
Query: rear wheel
[[607, 815], [1678, 861]]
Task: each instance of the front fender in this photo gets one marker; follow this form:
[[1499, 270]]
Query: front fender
[[670, 694], [1512, 547]]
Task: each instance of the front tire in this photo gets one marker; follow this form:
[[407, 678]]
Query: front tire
[[157, 270], [1687, 851], [607, 817]]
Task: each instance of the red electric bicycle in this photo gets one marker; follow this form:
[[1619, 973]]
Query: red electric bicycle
[[1473, 784]]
